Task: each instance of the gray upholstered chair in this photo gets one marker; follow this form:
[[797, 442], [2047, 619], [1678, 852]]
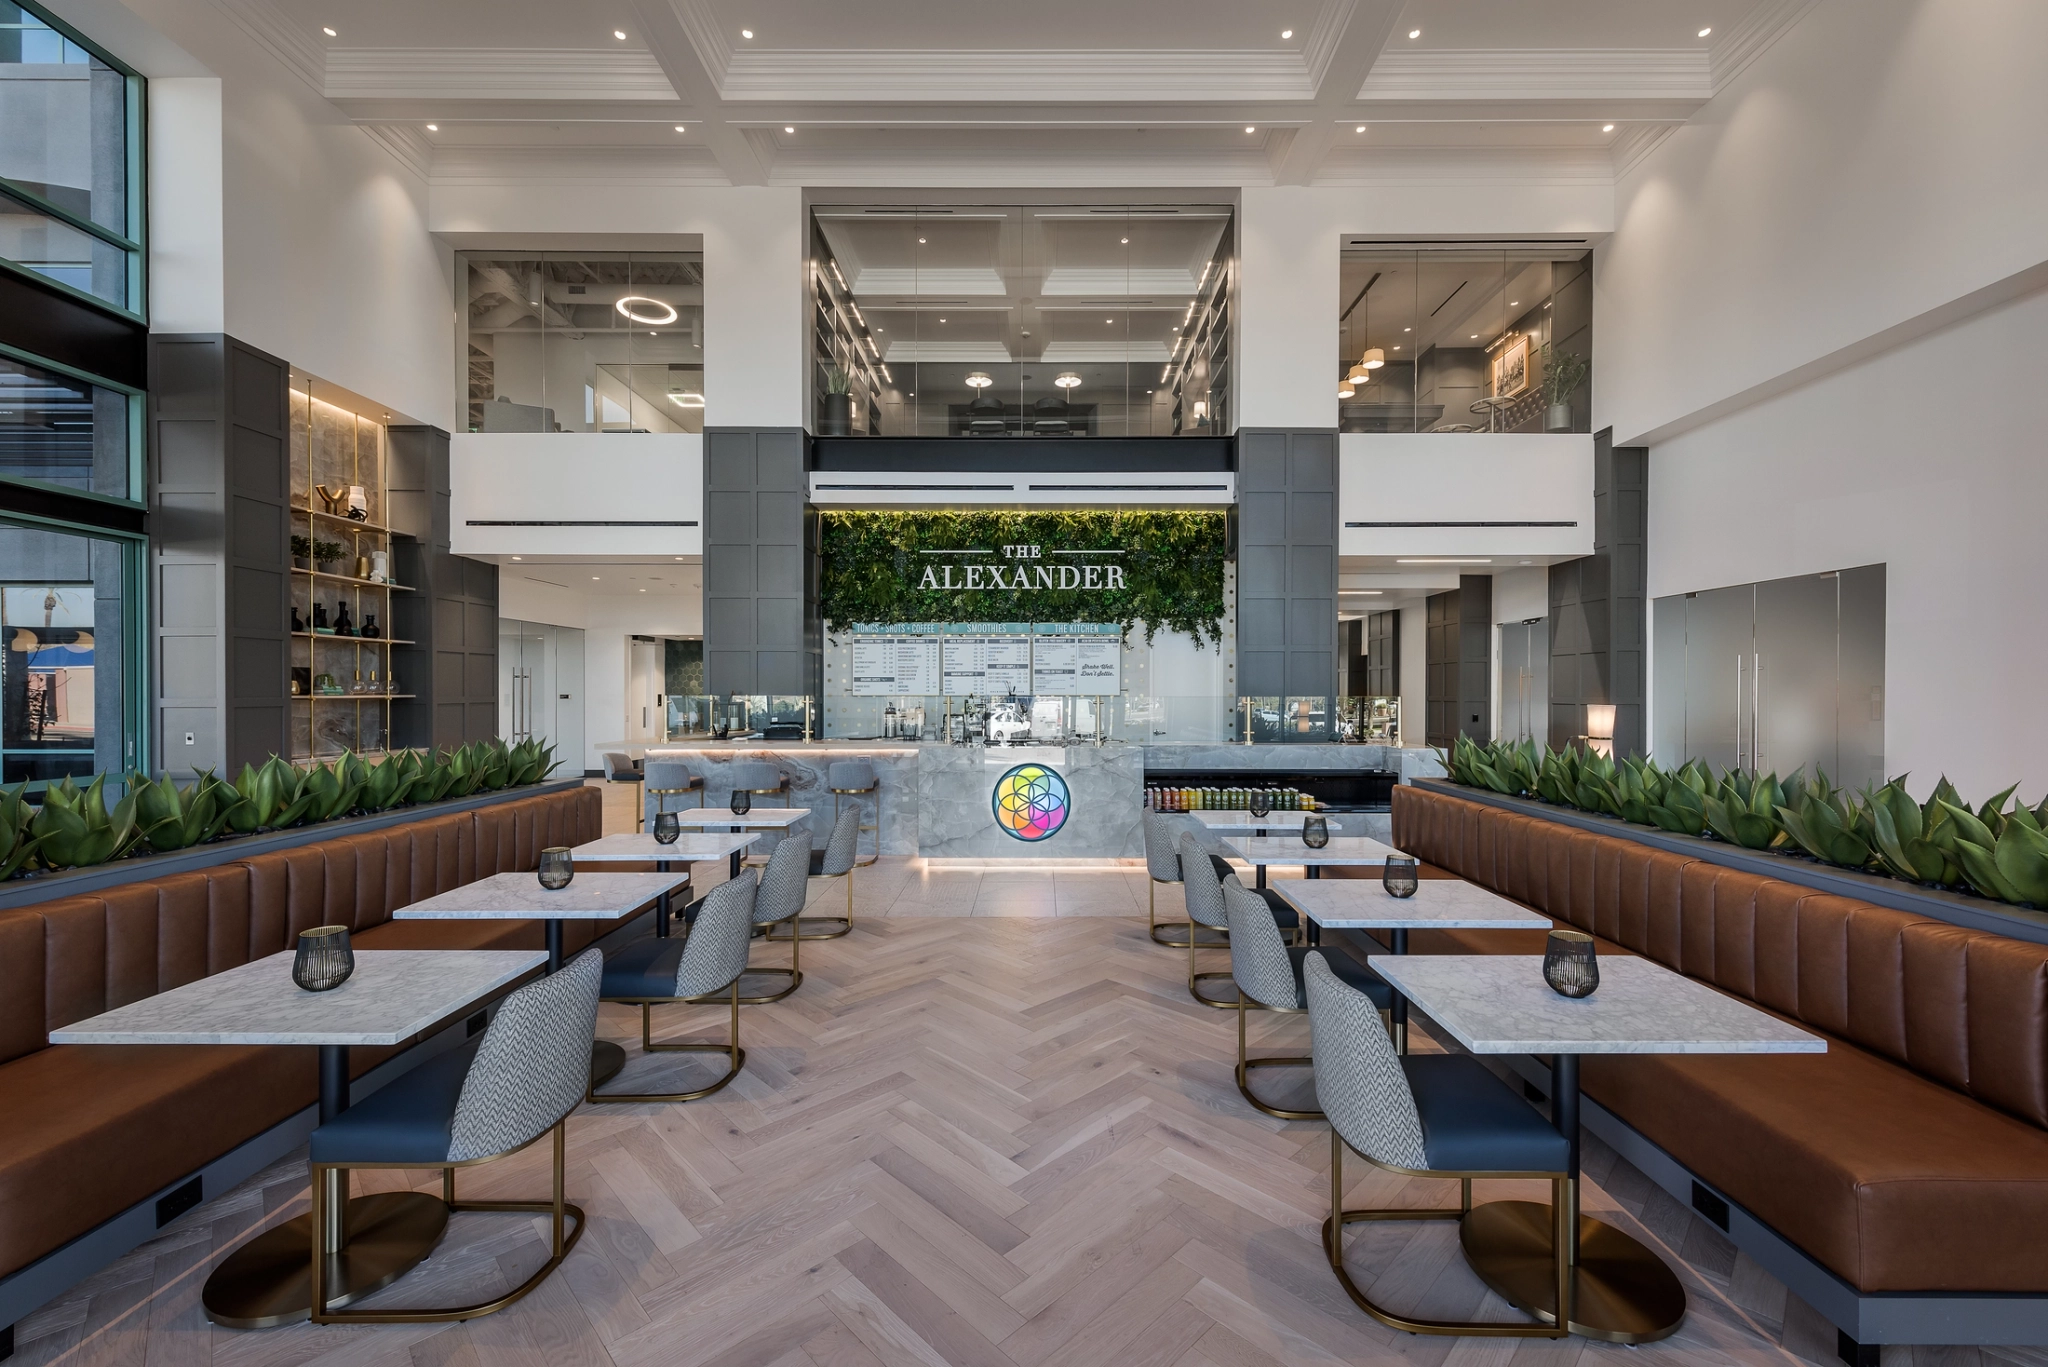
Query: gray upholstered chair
[[779, 896], [1268, 974], [1202, 890], [1426, 1115], [855, 778], [1162, 862], [760, 780], [705, 967], [842, 857], [665, 778], [491, 1097]]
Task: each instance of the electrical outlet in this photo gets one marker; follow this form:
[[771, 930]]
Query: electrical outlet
[[189, 739]]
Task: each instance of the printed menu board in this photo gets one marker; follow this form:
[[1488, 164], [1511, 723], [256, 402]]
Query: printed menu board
[[987, 666], [1099, 664], [1054, 660], [895, 666]]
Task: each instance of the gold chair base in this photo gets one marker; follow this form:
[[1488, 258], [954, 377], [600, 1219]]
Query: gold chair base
[[269, 1280], [845, 924], [796, 980], [1220, 1003], [1244, 1067], [1622, 1292], [737, 1055], [1173, 934]]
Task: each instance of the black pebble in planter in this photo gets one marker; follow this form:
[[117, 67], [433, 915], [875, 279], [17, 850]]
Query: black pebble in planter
[[837, 418]]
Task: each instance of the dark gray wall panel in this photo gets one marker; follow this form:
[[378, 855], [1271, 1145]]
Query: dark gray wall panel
[[452, 617], [1458, 673], [1598, 607], [1287, 563], [761, 627]]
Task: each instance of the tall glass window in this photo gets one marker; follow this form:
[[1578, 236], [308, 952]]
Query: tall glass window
[[60, 429], [585, 341], [70, 122], [1457, 338], [1021, 321], [64, 630]]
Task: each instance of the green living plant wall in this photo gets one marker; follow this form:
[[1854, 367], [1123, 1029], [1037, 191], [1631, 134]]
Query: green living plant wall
[[1998, 850], [874, 565], [73, 827]]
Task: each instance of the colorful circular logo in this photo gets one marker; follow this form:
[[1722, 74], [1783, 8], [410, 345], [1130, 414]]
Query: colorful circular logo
[[1030, 802]]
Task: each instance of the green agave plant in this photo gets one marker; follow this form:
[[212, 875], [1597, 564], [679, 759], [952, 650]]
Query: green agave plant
[[1744, 811], [1904, 833], [77, 829], [1827, 823], [388, 782], [174, 818], [273, 797], [18, 843]]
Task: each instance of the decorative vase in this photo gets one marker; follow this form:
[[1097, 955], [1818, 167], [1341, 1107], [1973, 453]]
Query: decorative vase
[[362, 567], [371, 631], [666, 828], [1315, 832], [343, 624], [1569, 963], [557, 867], [1559, 418], [324, 960], [1398, 877], [380, 566], [358, 504], [836, 419], [742, 802]]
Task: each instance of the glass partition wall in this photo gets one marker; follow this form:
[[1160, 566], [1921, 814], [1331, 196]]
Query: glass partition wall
[[585, 341], [1465, 338], [1035, 321]]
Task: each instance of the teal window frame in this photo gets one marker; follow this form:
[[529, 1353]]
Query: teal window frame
[[137, 431]]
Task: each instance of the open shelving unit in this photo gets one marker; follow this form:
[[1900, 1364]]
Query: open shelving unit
[[334, 444]]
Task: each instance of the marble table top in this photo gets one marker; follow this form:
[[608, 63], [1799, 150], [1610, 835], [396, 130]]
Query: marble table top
[[519, 896], [1244, 823], [1438, 904], [642, 848], [1288, 849], [393, 995], [759, 819], [1499, 1004]]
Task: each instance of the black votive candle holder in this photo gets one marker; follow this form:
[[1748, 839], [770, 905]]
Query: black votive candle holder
[[1569, 964], [667, 826], [324, 960], [1398, 877], [557, 867]]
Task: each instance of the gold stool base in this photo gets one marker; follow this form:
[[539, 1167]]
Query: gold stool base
[[1174, 935], [845, 924], [1228, 1003], [269, 1280], [1624, 1293], [606, 1059]]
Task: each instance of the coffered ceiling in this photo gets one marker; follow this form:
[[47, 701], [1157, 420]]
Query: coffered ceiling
[[1074, 92]]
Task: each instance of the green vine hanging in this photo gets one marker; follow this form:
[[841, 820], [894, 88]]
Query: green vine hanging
[[1173, 568]]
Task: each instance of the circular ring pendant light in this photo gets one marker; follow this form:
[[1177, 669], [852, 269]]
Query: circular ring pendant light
[[978, 379], [668, 314], [1067, 379]]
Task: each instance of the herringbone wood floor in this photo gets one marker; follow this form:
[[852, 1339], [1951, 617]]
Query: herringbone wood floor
[[1001, 1141]]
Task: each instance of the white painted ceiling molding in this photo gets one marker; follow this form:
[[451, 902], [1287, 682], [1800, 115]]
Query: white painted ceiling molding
[[1494, 75], [1752, 35], [406, 143], [1051, 76], [494, 74]]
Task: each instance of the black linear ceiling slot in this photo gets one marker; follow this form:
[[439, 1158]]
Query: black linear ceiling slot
[[71, 332], [1461, 524], [1361, 294], [1448, 298], [513, 522]]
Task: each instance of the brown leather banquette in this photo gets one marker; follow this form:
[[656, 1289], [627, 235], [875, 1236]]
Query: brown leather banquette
[[88, 1130], [1913, 1155]]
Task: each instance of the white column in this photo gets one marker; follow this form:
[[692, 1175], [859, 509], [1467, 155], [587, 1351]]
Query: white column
[[187, 277]]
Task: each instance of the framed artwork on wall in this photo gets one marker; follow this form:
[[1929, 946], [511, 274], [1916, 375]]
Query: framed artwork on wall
[[1511, 369]]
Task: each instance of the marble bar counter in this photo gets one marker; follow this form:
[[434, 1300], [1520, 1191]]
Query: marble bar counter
[[939, 801], [1409, 761]]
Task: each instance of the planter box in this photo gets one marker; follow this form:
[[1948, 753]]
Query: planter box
[[45, 887], [1962, 909]]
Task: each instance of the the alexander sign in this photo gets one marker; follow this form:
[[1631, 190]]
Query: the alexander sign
[[1024, 567]]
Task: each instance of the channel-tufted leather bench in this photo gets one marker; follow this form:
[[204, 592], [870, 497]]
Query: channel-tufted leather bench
[[88, 1131], [1912, 1156]]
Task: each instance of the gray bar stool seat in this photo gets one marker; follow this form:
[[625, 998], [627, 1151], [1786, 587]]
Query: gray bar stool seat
[[488, 1099], [855, 778], [1269, 977], [665, 778], [761, 780], [704, 967], [778, 898], [841, 859], [1424, 1115]]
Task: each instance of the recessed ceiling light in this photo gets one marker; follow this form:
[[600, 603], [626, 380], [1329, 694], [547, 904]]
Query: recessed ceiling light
[[643, 590], [1127, 242], [679, 128], [1359, 129], [1414, 33], [593, 579], [787, 129], [519, 557], [920, 242], [1250, 128], [1397, 346], [1705, 31], [942, 320], [1285, 34], [329, 32], [1607, 128], [746, 33], [1109, 320], [679, 557], [1475, 336], [619, 34], [433, 128], [1514, 303], [1407, 329]]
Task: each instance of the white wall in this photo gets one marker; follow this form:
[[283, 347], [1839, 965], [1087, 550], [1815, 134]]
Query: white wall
[[1288, 244], [608, 622], [187, 271], [1520, 594], [1928, 459], [1884, 159], [576, 476], [1465, 477]]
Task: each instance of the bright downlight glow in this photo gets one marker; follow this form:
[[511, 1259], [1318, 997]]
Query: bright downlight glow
[[625, 306], [1067, 379], [1373, 359], [687, 400], [979, 380]]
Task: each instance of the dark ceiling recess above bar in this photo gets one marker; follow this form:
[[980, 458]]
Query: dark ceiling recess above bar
[[1038, 456]]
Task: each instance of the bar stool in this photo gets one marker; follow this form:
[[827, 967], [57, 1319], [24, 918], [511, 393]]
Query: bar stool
[[1426, 1115], [1268, 974], [484, 1101], [619, 768], [705, 967], [840, 862], [778, 898], [667, 777], [761, 780], [855, 778], [1162, 862]]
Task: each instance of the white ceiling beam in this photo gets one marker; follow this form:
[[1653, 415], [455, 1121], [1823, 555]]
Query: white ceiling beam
[[1366, 26], [691, 77]]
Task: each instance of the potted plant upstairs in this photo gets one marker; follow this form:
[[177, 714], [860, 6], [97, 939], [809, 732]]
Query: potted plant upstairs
[[1563, 373], [837, 418], [328, 554], [302, 552]]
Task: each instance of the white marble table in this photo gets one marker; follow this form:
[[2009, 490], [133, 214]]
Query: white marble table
[[1244, 823], [1438, 904], [520, 897], [1500, 1004], [684, 849], [1259, 851], [759, 819], [393, 995]]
